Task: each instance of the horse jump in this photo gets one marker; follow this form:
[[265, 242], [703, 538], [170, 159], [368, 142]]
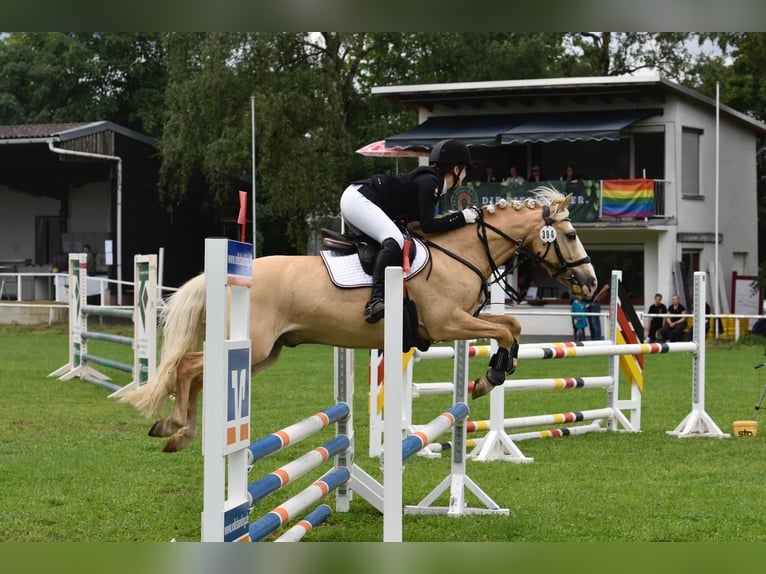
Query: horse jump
[[144, 317], [228, 499], [498, 445], [294, 301]]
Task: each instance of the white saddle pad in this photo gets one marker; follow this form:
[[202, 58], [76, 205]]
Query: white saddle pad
[[346, 270]]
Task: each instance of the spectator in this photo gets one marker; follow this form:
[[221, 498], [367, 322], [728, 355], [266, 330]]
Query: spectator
[[513, 176], [594, 306], [489, 175], [654, 324], [537, 174], [675, 321], [579, 321]]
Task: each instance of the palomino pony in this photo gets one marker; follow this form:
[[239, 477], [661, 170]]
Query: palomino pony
[[293, 301]]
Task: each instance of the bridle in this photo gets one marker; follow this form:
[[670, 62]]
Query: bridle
[[564, 265], [498, 276]]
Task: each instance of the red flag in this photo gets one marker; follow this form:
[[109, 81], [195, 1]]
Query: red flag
[[242, 217]]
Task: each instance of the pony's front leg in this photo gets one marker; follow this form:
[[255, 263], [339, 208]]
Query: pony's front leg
[[505, 329], [505, 359]]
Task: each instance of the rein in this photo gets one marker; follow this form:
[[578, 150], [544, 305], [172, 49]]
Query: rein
[[481, 232], [484, 285]]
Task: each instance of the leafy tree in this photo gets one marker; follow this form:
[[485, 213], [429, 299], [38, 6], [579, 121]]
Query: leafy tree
[[68, 77], [617, 53], [740, 71]]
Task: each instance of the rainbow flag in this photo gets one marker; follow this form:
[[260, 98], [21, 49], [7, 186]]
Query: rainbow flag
[[627, 198]]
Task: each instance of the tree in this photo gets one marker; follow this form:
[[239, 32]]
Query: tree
[[740, 72], [67, 77], [618, 53]]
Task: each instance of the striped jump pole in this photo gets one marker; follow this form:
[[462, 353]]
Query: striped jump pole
[[595, 426], [539, 420], [285, 512], [437, 427], [339, 448], [311, 521], [558, 432], [449, 352], [294, 433], [606, 350], [297, 468], [485, 351]]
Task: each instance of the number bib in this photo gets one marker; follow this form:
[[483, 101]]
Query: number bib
[[548, 234]]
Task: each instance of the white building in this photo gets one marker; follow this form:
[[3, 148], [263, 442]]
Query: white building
[[616, 128]]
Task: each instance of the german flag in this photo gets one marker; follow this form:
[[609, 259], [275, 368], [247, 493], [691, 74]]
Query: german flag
[[627, 198]]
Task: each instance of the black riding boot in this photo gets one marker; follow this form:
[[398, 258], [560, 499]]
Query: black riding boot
[[390, 255]]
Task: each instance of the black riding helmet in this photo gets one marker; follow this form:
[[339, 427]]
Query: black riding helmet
[[447, 153]]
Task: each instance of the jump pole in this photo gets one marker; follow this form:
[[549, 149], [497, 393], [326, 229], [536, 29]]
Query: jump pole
[[226, 392]]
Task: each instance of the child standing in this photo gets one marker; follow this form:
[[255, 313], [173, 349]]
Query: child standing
[[579, 321]]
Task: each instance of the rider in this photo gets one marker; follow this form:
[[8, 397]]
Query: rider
[[372, 205]]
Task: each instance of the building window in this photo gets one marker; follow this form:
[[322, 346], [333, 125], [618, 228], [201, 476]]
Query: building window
[[690, 162]]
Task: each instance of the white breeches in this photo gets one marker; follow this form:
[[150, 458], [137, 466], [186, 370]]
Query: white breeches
[[367, 217]]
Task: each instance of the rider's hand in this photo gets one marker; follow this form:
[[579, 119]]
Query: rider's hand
[[471, 214]]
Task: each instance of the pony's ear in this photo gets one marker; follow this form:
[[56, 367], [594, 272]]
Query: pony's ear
[[565, 203]]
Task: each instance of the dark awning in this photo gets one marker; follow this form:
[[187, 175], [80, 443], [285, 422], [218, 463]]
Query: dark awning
[[575, 126], [472, 130]]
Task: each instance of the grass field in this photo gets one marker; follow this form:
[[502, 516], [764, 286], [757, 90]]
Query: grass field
[[76, 466]]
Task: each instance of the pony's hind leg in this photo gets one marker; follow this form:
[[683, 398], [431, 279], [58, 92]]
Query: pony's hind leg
[[184, 435], [189, 367]]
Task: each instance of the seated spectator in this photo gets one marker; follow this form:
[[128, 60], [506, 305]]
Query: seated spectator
[[537, 174], [513, 176], [655, 323], [675, 321], [489, 175]]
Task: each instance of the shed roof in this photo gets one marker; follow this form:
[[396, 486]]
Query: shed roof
[[66, 131]]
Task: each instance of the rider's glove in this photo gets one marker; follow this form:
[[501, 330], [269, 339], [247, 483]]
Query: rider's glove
[[471, 214]]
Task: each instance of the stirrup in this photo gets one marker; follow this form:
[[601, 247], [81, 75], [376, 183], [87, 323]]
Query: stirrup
[[374, 310]]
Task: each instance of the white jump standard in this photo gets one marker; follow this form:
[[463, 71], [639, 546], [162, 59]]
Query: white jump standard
[[144, 317]]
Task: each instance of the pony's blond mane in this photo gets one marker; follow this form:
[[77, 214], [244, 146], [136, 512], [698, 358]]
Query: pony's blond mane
[[543, 195]]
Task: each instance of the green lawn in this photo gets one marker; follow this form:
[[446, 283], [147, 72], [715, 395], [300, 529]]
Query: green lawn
[[76, 466]]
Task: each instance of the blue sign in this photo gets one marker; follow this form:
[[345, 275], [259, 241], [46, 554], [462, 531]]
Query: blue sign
[[239, 260], [236, 524], [238, 385]]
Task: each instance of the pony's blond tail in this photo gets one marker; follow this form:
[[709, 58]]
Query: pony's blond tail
[[182, 321]]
